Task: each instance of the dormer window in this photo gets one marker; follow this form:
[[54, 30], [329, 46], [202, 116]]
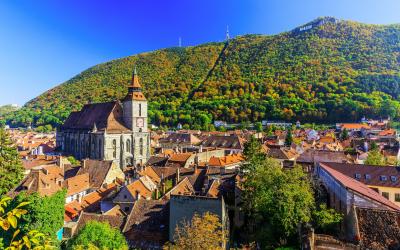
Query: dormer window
[[367, 177], [393, 178], [358, 176], [383, 178]]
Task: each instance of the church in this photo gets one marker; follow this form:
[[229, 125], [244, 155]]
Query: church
[[114, 131]]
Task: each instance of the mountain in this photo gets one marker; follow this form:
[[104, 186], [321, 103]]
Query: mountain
[[324, 71]]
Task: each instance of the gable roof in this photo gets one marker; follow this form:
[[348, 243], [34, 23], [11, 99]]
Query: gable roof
[[100, 114], [374, 172], [227, 141], [46, 180], [97, 170], [225, 160], [312, 155], [114, 221], [183, 187], [77, 184], [181, 138], [147, 224], [359, 187]]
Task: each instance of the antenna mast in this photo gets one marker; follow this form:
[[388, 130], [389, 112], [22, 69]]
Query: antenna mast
[[227, 33], [180, 42]]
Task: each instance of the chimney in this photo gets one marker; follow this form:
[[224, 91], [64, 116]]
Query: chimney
[[157, 194], [177, 177], [137, 195], [84, 163], [201, 149]]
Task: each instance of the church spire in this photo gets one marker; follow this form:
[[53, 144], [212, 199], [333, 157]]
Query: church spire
[[135, 80], [135, 89]]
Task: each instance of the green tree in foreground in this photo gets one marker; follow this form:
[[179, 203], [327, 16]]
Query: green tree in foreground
[[375, 158], [9, 225], [46, 214], [202, 232], [98, 235], [276, 201], [11, 170]]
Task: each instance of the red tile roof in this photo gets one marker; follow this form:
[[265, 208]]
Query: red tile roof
[[359, 187]]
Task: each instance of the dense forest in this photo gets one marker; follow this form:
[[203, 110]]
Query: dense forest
[[324, 71]]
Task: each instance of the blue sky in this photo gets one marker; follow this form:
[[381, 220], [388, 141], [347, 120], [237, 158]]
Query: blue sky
[[45, 42]]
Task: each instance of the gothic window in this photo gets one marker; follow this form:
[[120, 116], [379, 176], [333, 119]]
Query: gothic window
[[141, 146], [114, 144], [140, 109], [100, 146], [128, 146]]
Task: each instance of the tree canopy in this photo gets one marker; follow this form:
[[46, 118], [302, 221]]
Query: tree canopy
[[98, 235], [276, 201], [11, 170]]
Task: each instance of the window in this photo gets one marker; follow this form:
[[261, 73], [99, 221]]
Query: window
[[393, 178], [367, 177], [397, 197], [358, 176], [114, 144], [383, 178], [140, 109], [100, 148], [386, 195], [128, 146], [141, 146]]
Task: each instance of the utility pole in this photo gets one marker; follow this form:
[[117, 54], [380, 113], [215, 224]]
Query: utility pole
[[180, 42]]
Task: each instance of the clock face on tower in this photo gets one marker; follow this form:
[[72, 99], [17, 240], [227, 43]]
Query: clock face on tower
[[139, 122]]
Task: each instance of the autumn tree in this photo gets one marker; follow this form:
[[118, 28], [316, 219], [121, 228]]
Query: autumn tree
[[375, 158], [202, 232], [98, 235], [11, 170]]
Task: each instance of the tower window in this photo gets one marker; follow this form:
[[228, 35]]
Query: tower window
[[141, 146], [114, 144], [128, 146], [140, 109], [100, 148]]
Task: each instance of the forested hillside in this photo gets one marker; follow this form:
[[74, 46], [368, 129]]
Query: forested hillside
[[324, 71]]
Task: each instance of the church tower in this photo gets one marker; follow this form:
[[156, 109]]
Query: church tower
[[135, 106], [137, 144]]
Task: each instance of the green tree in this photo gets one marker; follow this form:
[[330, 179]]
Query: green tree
[[11, 235], [276, 201], [202, 232], [289, 138], [258, 126], [375, 158], [344, 135], [11, 170], [46, 213], [98, 234], [253, 151], [326, 220], [374, 146]]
